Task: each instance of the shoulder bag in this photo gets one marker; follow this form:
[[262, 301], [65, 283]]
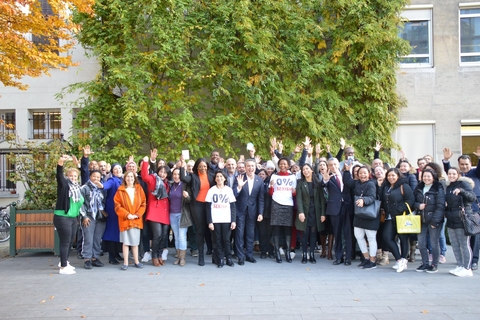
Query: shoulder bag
[[470, 220], [408, 223]]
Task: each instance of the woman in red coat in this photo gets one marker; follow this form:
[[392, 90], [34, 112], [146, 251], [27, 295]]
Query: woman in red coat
[[158, 208]]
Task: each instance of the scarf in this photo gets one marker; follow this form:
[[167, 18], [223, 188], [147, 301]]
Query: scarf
[[73, 190], [160, 192], [96, 199]]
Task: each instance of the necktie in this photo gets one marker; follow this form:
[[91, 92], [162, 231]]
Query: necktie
[[337, 182]]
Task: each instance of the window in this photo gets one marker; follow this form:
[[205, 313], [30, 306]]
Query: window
[[417, 30], [45, 124], [470, 36], [6, 168], [8, 123], [422, 132], [46, 11], [470, 139]]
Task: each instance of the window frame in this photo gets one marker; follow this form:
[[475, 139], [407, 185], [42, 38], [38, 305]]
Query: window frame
[[420, 13], [50, 132], [466, 6]]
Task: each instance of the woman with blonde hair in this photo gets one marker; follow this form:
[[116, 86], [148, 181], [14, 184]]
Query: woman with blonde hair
[[130, 205]]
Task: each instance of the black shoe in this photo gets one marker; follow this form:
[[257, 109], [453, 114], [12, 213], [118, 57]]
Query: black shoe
[[432, 269], [312, 257], [251, 259], [113, 261], [288, 258], [97, 263], [348, 262], [201, 259], [230, 263], [241, 262], [278, 257], [88, 264], [118, 257], [337, 262], [263, 255], [474, 266], [369, 265], [363, 263], [422, 268], [271, 255], [79, 256], [209, 252], [220, 265], [304, 258]]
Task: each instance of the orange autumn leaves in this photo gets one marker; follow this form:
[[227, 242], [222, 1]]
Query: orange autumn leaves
[[20, 20]]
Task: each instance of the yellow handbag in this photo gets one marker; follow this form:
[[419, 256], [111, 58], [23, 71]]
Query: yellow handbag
[[408, 223]]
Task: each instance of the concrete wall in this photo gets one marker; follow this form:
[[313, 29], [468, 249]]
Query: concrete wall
[[447, 93]]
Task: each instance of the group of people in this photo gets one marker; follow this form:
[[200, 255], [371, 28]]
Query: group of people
[[232, 207]]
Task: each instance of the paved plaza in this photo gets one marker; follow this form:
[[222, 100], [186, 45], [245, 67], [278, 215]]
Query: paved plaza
[[33, 289]]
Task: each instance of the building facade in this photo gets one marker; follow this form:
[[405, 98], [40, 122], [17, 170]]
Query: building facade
[[439, 80]]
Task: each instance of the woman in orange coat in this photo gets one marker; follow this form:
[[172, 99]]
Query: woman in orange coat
[[130, 204]]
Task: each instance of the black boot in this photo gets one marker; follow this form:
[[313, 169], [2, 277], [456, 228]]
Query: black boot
[[304, 257], [312, 257], [287, 249], [201, 257], [277, 249]]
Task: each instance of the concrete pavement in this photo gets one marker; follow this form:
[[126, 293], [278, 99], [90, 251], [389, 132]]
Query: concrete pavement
[[32, 288]]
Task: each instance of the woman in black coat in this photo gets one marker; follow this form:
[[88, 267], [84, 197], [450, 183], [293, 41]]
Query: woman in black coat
[[459, 196], [200, 181], [365, 189], [310, 210], [430, 204], [395, 195]]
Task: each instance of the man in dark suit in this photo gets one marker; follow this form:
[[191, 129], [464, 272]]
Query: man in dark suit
[[248, 190], [339, 209]]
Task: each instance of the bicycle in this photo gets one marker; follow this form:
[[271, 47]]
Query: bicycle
[[4, 223]]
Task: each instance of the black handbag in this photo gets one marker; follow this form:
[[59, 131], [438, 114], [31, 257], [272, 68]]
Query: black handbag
[[470, 220], [371, 211]]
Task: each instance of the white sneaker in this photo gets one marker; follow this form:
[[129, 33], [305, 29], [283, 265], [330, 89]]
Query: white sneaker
[[147, 257], [292, 255], [397, 264], [165, 254], [402, 265], [281, 251], [464, 273], [68, 265], [66, 271], [457, 268]]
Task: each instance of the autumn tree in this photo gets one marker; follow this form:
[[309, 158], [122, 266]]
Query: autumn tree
[[200, 75], [35, 35]]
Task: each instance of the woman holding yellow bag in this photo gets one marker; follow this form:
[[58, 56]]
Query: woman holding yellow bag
[[395, 194], [430, 205]]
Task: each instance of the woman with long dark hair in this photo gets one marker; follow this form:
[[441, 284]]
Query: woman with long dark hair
[[200, 181], [395, 195], [311, 210]]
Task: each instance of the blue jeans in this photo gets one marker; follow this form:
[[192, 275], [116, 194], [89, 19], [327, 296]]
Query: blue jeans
[[433, 234], [442, 239], [179, 233]]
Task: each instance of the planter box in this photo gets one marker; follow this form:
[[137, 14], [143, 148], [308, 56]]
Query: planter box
[[32, 231]]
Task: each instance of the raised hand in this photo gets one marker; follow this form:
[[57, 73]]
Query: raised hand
[[221, 163], [258, 159], [378, 146], [478, 152], [130, 159], [298, 148], [273, 142], [447, 153], [342, 143], [75, 161], [153, 154], [240, 181], [327, 147], [307, 142], [402, 155], [87, 151], [318, 150], [280, 146]]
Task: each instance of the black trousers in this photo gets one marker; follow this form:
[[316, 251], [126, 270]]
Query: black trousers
[[265, 231], [160, 232], [199, 214], [65, 227], [389, 234], [221, 238], [341, 224]]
